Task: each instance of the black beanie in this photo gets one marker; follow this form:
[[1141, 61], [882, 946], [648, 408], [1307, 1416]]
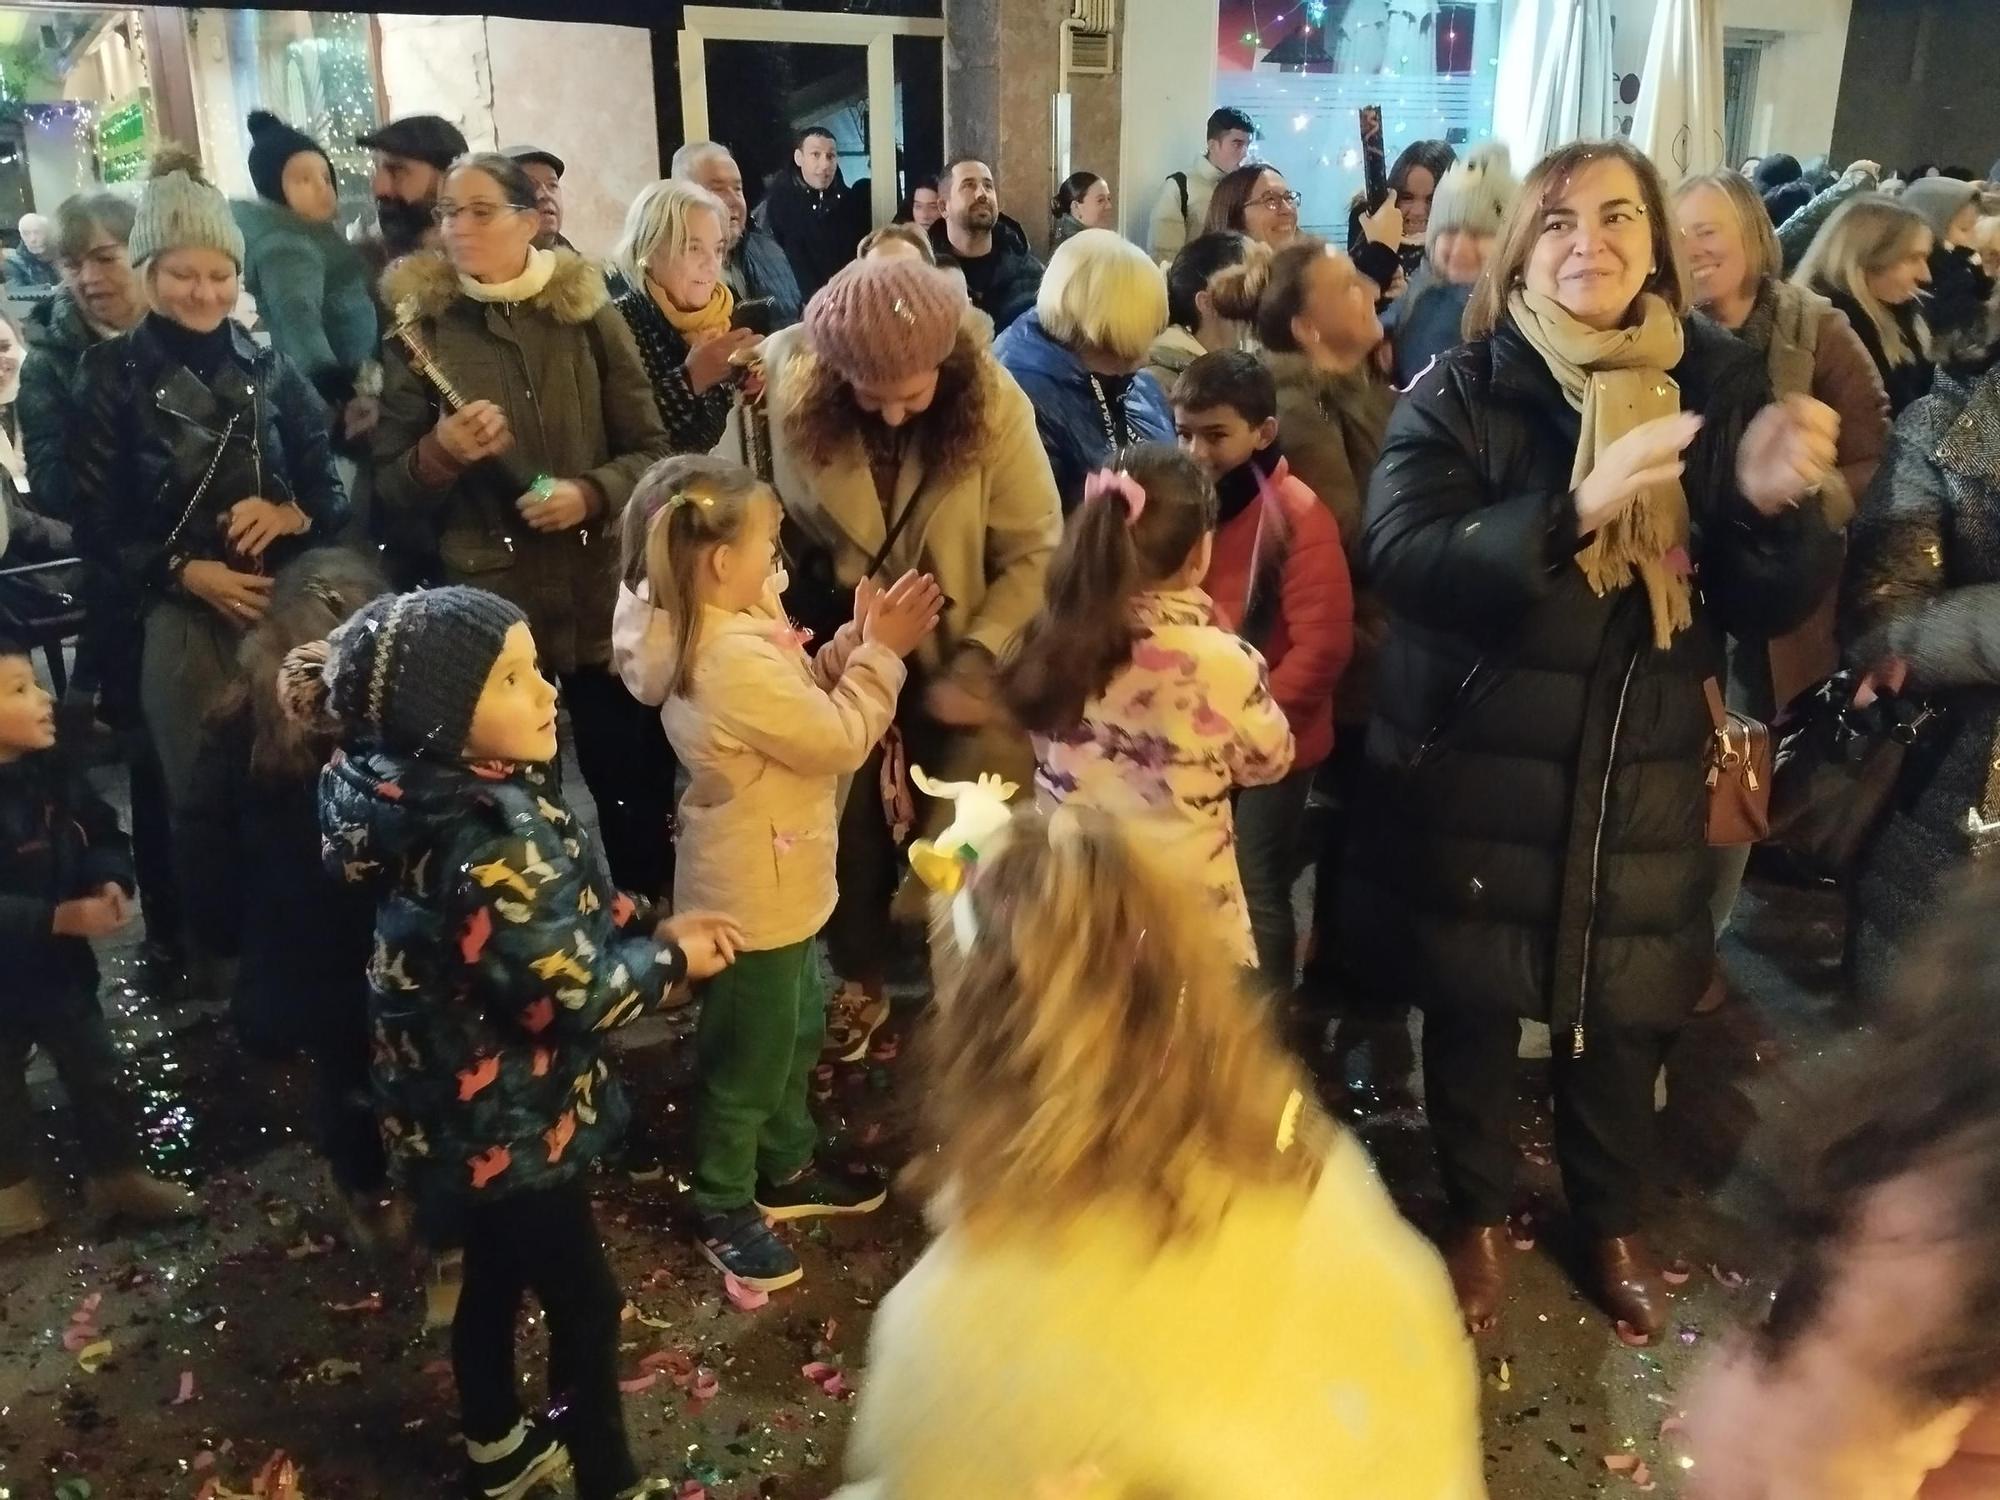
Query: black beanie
[[272, 144], [408, 669]]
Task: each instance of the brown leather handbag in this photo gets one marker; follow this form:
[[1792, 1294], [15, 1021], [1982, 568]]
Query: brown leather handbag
[[1739, 774]]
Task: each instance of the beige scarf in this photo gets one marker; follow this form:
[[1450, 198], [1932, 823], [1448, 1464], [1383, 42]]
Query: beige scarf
[[1618, 379], [533, 280]]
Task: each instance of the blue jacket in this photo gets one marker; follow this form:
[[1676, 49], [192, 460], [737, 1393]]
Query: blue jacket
[[1073, 425], [313, 293], [502, 957], [1423, 323], [758, 267]]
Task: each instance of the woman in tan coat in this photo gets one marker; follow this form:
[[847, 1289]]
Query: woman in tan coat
[[522, 486], [898, 443]]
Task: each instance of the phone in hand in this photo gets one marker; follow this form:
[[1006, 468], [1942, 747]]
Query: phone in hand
[[1374, 157], [755, 314]]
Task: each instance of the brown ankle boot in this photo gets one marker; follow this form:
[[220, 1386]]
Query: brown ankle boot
[[1629, 1284], [1477, 1261]]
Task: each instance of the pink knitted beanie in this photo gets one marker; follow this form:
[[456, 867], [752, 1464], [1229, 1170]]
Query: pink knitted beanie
[[883, 321]]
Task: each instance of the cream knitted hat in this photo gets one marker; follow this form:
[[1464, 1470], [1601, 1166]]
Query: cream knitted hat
[[180, 210]]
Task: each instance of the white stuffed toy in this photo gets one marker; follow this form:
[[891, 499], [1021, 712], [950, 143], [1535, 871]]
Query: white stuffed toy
[[982, 811]]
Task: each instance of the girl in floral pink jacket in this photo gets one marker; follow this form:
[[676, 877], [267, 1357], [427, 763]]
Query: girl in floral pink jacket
[[765, 732], [1139, 703]]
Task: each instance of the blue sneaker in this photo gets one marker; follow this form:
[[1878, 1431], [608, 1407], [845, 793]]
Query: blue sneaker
[[741, 1243]]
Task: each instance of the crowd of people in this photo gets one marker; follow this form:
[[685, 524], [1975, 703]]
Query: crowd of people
[[794, 537]]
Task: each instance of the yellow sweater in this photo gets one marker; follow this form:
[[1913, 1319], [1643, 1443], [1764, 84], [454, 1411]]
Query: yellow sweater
[[1307, 1347]]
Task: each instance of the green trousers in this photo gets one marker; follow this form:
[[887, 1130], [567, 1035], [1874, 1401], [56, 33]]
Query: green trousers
[[763, 1021]]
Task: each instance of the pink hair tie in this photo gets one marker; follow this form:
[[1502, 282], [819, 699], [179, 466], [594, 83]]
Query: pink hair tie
[[1108, 482]]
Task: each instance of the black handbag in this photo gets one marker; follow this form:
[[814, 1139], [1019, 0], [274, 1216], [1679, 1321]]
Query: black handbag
[[1840, 770]]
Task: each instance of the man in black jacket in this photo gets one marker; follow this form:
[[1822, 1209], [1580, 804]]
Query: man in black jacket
[[1002, 275], [812, 213]]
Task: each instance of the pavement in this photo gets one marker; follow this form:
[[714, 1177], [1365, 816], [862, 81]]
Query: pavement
[[258, 1330]]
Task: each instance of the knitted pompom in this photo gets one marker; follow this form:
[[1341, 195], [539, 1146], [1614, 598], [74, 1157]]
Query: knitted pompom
[[303, 690], [172, 158]]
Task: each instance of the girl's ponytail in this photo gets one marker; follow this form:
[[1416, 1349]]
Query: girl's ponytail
[[1083, 633], [681, 508], [1134, 530]]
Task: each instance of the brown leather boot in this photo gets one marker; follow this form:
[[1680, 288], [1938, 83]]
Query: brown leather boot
[[1629, 1284], [1477, 1261]]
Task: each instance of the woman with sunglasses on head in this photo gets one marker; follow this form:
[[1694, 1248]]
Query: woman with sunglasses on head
[[523, 483]]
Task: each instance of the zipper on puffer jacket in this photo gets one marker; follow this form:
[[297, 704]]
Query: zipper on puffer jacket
[[1576, 1039]]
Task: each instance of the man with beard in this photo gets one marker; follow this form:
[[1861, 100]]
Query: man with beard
[[813, 213], [756, 266], [411, 157], [545, 170], [1002, 275]]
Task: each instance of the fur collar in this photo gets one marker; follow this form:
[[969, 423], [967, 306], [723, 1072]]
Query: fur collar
[[424, 284]]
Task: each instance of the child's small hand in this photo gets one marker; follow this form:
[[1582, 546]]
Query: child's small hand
[[91, 916], [866, 593], [708, 941], [904, 613]]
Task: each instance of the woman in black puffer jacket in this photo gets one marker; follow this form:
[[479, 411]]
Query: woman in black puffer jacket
[[1556, 603]]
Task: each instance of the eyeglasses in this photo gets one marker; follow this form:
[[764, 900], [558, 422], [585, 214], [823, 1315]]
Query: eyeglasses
[[481, 214], [1276, 201]]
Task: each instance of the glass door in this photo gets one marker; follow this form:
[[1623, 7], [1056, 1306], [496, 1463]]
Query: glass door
[[753, 78]]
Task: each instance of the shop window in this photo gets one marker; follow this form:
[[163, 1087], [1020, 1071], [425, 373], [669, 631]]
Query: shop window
[[313, 69], [1302, 69], [75, 105]]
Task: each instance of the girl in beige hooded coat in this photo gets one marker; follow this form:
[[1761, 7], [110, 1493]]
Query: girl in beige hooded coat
[[766, 733]]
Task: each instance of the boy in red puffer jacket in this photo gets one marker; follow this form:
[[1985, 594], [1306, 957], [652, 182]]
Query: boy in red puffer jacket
[[1279, 579]]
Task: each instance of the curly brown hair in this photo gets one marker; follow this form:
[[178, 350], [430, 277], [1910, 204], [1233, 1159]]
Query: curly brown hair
[[1094, 1041], [950, 434]]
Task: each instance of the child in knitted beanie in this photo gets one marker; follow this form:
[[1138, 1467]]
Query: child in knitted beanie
[[766, 733], [502, 956]]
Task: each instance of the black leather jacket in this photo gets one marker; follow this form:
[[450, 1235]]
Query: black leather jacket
[[148, 431]]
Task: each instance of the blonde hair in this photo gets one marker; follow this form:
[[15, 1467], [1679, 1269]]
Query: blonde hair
[[907, 234], [1760, 240], [681, 510], [1867, 234], [1095, 1040], [1540, 191], [659, 216], [1103, 291]]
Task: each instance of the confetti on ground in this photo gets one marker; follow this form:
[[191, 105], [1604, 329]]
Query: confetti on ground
[[372, 1303], [186, 1392], [827, 1378], [92, 1357], [1727, 1277], [743, 1298]]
